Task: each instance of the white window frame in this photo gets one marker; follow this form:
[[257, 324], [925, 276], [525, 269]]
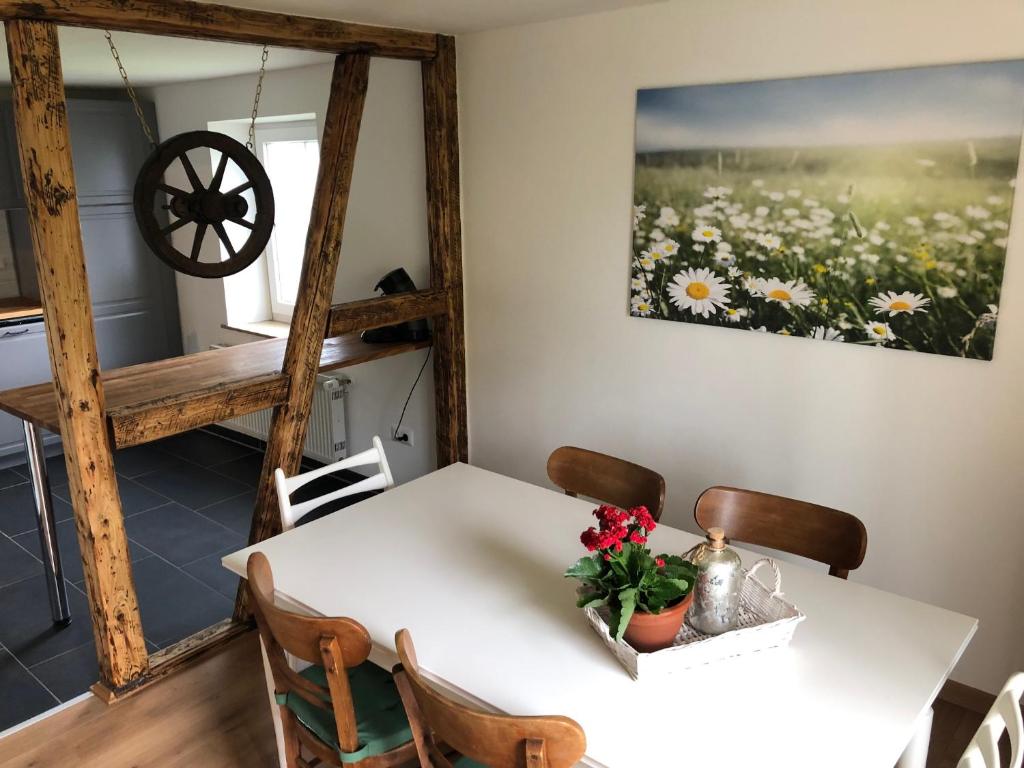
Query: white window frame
[[297, 130]]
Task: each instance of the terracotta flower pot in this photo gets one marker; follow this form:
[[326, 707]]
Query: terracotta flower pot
[[649, 632]]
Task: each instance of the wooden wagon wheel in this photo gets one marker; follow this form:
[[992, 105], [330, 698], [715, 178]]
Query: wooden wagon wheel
[[205, 205]]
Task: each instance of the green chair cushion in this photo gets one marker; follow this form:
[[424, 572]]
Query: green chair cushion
[[465, 762], [380, 716]]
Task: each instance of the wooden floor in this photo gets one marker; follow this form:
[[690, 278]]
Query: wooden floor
[[216, 714]]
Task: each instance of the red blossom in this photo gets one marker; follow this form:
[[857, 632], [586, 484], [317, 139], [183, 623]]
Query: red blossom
[[637, 538], [643, 518], [659, 562]]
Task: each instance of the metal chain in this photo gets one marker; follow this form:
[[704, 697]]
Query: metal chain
[[128, 87], [251, 143]]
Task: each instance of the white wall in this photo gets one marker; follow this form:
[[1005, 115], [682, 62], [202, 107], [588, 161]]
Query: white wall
[[926, 450], [385, 228]]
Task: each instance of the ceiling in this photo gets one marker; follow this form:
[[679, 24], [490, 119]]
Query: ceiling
[[152, 60]]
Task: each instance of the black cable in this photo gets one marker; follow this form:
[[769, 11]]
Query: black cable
[[418, 375]]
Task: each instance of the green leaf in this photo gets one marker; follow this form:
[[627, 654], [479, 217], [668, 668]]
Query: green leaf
[[627, 605], [591, 600], [586, 568]]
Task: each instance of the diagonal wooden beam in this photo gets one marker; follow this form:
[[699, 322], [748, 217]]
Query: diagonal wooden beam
[[210, 21], [441, 126], [316, 285], [40, 115], [385, 310]]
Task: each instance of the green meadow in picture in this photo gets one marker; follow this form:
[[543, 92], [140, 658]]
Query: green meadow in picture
[[869, 208]]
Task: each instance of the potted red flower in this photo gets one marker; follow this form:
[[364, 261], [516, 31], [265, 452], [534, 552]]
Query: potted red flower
[[647, 596]]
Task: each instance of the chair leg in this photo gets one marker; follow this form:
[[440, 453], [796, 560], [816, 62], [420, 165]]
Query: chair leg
[[916, 753], [275, 710]]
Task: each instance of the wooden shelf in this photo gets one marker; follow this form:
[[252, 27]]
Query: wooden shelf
[[153, 400], [17, 307]]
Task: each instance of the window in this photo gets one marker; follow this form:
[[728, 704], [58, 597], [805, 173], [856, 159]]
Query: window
[[291, 155]]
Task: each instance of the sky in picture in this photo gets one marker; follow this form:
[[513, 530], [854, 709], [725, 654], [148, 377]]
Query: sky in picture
[[939, 103]]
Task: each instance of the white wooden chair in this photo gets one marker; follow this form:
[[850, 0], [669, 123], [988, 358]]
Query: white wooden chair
[[1004, 717], [286, 486]]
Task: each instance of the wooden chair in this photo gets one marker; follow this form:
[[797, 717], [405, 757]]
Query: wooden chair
[[1004, 717], [291, 514], [827, 535], [606, 478], [343, 709], [482, 739]]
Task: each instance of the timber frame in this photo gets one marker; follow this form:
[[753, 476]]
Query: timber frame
[[97, 411]]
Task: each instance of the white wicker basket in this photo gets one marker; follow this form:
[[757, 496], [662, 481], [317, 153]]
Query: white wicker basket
[[765, 621]]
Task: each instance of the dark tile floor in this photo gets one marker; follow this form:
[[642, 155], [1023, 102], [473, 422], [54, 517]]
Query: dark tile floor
[[187, 501]]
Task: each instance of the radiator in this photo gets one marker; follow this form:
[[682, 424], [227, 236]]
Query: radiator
[[326, 437]]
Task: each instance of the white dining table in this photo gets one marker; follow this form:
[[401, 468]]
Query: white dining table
[[471, 562]]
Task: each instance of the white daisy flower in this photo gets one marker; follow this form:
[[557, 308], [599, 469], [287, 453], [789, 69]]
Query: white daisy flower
[[989, 318], [734, 272], [667, 218], [652, 256], [776, 197], [790, 293], [913, 221], [879, 332], [994, 200], [762, 329], [734, 315], [639, 212], [895, 303], [641, 305], [946, 291], [657, 235], [977, 212], [790, 212], [826, 334], [706, 235], [724, 258], [757, 183], [753, 285], [770, 241], [645, 262], [638, 283], [668, 247], [870, 258], [762, 210], [699, 247], [700, 291], [714, 192], [901, 258], [794, 192], [835, 241], [842, 199]]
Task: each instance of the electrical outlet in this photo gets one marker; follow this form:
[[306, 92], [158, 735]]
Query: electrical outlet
[[403, 435]]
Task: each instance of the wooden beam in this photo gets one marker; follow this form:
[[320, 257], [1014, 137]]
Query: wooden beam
[[441, 126], [40, 114], [181, 655], [143, 423], [208, 21], [385, 310], [316, 284]]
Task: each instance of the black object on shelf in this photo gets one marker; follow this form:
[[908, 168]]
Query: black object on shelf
[[397, 281]]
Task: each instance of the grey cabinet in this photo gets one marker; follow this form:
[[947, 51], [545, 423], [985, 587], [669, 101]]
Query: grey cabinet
[[133, 293], [11, 195]]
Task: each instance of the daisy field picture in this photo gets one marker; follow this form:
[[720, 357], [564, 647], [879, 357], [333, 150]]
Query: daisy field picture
[[869, 208]]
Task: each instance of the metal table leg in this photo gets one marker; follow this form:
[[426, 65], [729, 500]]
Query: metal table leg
[[54, 572]]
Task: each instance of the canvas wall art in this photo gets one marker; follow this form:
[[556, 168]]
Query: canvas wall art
[[869, 208]]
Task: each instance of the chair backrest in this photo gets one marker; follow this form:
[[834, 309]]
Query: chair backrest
[[1004, 717], [827, 535], [605, 478], [498, 741], [336, 644], [291, 514]]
